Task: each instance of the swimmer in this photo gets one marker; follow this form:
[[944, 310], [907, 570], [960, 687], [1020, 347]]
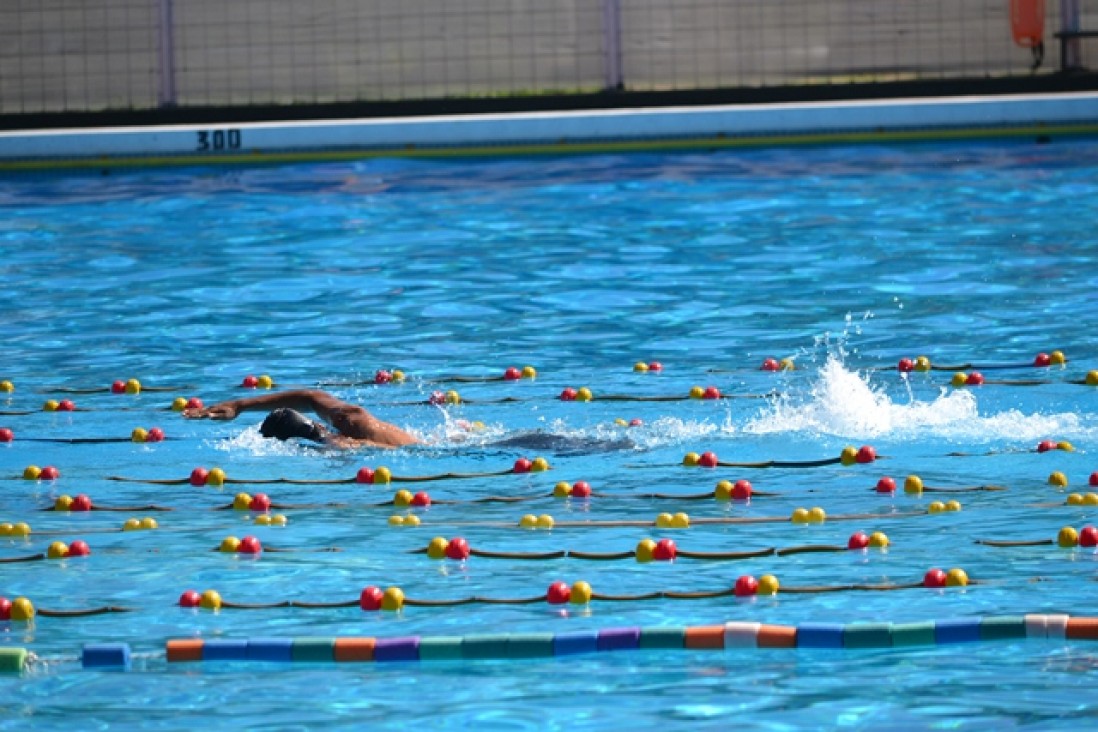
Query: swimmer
[[354, 426]]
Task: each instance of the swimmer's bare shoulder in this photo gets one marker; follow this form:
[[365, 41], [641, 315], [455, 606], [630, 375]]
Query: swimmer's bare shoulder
[[358, 424]]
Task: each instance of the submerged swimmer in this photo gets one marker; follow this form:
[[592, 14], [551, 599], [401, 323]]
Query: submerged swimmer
[[353, 426]]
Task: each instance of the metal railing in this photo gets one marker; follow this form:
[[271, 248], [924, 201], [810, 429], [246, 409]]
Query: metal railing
[[89, 55]]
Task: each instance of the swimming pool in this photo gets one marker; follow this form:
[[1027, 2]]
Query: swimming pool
[[844, 259]]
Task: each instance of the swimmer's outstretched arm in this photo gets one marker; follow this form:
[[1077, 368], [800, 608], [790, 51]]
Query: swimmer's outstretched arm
[[320, 402], [350, 420]]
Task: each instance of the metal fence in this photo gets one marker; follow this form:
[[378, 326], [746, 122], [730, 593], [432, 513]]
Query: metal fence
[[90, 55]]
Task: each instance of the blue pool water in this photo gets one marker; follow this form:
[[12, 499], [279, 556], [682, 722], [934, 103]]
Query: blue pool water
[[845, 259]]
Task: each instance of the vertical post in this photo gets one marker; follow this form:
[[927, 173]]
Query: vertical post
[[167, 55], [611, 43], [1070, 59]]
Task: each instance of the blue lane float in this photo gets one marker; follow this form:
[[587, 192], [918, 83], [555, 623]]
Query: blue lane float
[[106, 655]]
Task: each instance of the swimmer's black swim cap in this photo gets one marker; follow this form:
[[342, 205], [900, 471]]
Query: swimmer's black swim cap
[[286, 423]]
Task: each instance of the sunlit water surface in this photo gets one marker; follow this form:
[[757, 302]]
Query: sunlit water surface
[[845, 259]]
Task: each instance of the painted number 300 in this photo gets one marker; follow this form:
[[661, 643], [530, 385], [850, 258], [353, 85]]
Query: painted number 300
[[218, 140]]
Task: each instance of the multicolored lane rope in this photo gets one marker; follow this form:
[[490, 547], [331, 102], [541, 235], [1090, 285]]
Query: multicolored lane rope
[[728, 636]]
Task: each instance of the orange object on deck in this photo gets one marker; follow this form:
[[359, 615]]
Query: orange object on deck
[[1027, 22]]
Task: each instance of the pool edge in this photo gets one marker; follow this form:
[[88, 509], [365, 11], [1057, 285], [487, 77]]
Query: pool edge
[[557, 133]]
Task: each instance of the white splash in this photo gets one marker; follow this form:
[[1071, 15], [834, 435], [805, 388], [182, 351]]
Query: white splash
[[838, 402], [847, 404], [673, 431], [455, 432], [249, 440], [657, 433]]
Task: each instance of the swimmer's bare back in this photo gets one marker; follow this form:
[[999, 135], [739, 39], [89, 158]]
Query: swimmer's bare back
[[355, 427]]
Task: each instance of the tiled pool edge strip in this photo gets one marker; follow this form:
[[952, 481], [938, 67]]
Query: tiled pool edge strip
[[503, 646], [609, 130]]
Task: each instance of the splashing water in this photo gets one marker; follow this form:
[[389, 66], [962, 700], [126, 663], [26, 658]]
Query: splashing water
[[846, 404], [453, 432], [659, 432], [250, 440], [674, 431], [838, 403]]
